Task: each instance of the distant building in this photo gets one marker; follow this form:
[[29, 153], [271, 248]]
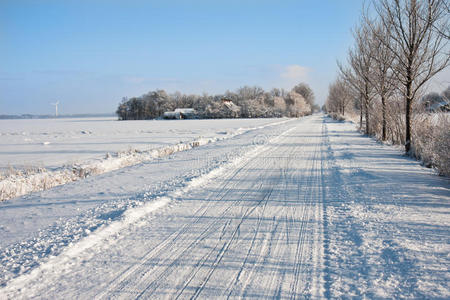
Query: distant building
[[226, 100], [234, 109], [181, 113]]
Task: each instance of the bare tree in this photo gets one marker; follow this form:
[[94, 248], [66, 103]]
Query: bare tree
[[382, 79], [340, 98], [349, 76], [358, 75], [415, 32]]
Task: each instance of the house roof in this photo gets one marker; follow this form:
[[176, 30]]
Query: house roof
[[185, 110], [231, 106]]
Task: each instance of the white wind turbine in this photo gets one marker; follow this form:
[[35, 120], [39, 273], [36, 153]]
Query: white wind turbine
[[56, 107]]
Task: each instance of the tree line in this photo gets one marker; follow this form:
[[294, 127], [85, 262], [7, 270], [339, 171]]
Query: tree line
[[394, 55], [251, 102], [399, 45]]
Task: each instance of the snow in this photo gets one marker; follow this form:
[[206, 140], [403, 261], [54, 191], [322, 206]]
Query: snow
[[52, 143], [389, 224], [34, 178], [304, 208]]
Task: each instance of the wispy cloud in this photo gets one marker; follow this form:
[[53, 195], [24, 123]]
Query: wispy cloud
[[295, 73]]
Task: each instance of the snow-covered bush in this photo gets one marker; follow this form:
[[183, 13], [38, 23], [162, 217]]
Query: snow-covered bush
[[442, 145], [337, 117], [431, 141], [423, 137]]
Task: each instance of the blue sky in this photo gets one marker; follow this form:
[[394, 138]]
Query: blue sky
[[90, 54]]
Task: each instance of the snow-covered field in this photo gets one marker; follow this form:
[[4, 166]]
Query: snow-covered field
[[52, 143], [307, 208], [37, 155]]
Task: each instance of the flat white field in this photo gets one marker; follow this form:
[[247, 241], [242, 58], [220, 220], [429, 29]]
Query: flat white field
[[52, 143]]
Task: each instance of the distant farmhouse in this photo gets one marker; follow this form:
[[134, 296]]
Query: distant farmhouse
[[222, 109], [233, 108], [181, 113]]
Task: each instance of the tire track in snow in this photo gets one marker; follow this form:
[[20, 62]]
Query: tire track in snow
[[265, 250], [233, 284], [301, 255], [245, 214], [305, 250], [199, 266], [268, 238], [156, 282], [223, 250], [121, 281]]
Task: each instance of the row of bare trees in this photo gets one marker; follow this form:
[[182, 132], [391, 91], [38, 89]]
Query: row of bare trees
[[395, 54]]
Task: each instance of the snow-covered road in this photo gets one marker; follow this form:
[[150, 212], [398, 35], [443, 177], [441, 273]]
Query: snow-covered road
[[304, 209]]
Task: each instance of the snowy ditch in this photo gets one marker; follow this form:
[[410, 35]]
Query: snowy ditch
[[40, 179]]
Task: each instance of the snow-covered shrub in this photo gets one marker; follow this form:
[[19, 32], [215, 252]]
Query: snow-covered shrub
[[442, 144], [423, 138], [337, 117], [431, 141], [395, 121]]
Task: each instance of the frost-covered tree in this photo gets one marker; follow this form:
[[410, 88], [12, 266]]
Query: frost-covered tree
[[248, 102], [340, 97], [416, 33], [382, 75], [307, 93], [359, 72]]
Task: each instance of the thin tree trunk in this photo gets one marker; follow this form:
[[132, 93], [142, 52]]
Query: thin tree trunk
[[360, 113], [408, 114], [408, 125], [367, 119], [366, 100], [383, 102]]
